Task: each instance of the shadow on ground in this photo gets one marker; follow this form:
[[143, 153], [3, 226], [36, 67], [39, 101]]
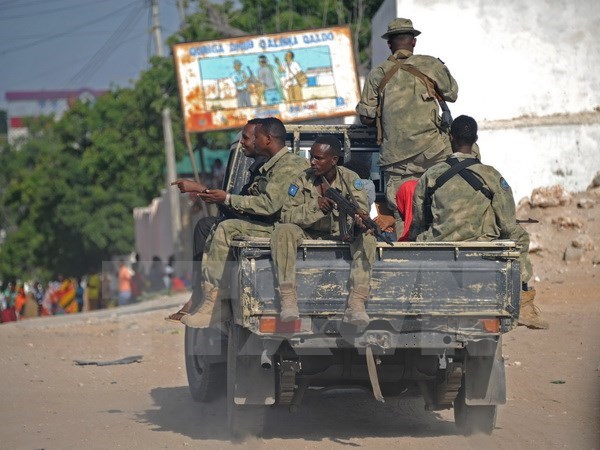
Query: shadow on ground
[[337, 415]]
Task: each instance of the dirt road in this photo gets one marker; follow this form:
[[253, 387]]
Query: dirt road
[[48, 402]]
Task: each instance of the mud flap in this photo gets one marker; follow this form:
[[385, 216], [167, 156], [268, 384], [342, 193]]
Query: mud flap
[[254, 385], [485, 379]]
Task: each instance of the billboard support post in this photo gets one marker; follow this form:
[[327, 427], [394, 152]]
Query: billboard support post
[[188, 144]]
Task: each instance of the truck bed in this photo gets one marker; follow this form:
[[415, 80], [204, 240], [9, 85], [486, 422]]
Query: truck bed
[[459, 279]]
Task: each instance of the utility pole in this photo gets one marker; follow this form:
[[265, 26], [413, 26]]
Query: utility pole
[[169, 147], [181, 10]]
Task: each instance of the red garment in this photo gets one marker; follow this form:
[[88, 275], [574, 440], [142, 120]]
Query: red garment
[[404, 198], [8, 315]]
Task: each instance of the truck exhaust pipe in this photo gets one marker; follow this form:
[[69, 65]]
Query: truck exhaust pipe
[[265, 360]]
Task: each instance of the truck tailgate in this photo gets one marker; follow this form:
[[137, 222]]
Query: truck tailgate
[[441, 278]]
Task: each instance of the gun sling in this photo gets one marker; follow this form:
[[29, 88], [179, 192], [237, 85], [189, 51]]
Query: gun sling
[[460, 168]]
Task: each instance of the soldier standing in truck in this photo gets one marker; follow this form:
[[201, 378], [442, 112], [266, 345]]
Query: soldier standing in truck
[[402, 98]]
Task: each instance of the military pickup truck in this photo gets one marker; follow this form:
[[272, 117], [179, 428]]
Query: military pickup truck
[[438, 312]]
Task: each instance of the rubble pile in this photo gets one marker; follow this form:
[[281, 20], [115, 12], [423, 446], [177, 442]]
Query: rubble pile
[[567, 236]]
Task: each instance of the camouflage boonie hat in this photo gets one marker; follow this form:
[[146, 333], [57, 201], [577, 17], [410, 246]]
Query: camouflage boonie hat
[[400, 26]]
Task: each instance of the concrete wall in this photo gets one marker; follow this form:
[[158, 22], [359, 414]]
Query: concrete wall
[[512, 59]]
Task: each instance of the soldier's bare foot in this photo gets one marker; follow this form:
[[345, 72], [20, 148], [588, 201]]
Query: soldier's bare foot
[[184, 311]]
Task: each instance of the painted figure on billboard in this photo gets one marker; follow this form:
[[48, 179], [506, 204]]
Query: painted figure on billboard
[[240, 80], [294, 77], [269, 81]]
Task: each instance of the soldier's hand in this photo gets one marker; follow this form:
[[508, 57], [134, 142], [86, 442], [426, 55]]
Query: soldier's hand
[[385, 222], [189, 186], [213, 196], [359, 219], [326, 204]]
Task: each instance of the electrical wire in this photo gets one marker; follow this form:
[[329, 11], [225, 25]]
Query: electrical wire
[[47, 11], [107, 49], [22, 4], [67, 32]]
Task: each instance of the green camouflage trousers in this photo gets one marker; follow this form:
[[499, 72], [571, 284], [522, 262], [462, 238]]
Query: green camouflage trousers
[[215, 258], [284, 247]]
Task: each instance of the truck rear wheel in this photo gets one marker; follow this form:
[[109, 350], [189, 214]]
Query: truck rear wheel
[[243, 420], [471, 419], [205, 371]]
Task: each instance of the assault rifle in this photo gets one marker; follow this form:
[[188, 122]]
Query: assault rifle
[[346, 207]]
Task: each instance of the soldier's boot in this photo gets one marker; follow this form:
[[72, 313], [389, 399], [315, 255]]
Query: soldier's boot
[[289, 302], [356, 313], [212, 313], [529, 315]]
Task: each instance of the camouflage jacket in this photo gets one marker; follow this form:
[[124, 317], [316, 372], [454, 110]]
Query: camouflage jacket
[[460, 213], [269, 190], [410, 117], [302, 208]]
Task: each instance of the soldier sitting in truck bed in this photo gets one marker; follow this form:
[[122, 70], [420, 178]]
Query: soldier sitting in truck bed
[[456, 203], [308, 214], [266, 199]]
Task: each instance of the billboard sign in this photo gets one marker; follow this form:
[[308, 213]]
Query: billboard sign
[[293, 76]]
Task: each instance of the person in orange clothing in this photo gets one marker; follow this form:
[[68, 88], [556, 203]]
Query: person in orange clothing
[[20, 300], [404, 197], [124, 284]]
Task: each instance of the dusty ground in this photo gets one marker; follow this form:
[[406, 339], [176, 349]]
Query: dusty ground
[[48, 402]]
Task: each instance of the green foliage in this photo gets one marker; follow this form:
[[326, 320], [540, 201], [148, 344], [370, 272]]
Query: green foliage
[[70, 189], [67, 193]]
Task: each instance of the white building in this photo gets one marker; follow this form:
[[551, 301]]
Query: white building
[[25, 104], [514, 60]]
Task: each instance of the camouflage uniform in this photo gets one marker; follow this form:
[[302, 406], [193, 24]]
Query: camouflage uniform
[[460, 213], [412, 139], [267, 195], [302, 219]]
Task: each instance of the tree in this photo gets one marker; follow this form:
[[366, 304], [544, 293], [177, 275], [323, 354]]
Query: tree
[[72, 186], [67, 194]]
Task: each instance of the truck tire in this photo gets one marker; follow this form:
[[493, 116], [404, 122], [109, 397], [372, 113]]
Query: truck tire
[[243, 420], [471, 419], [205, 373]]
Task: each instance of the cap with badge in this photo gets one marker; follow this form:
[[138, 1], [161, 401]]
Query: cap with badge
[[400, 26]]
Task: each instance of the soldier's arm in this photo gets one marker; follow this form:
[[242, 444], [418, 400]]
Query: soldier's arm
[[367, 107], [418, 224], [447, 86], [300, 207], [503, 205], [271, 201], [435, 69], [360, 197]]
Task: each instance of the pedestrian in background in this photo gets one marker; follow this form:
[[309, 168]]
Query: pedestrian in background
[[124, 284]]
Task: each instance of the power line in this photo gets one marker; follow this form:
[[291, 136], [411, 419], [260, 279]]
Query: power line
[[108, 47], [65, 33], [27, 37], [61, 66], [22, 4], [47, 11]]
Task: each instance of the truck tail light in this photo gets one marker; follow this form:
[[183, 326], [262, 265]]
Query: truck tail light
[[272, 324], [490, 325]]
